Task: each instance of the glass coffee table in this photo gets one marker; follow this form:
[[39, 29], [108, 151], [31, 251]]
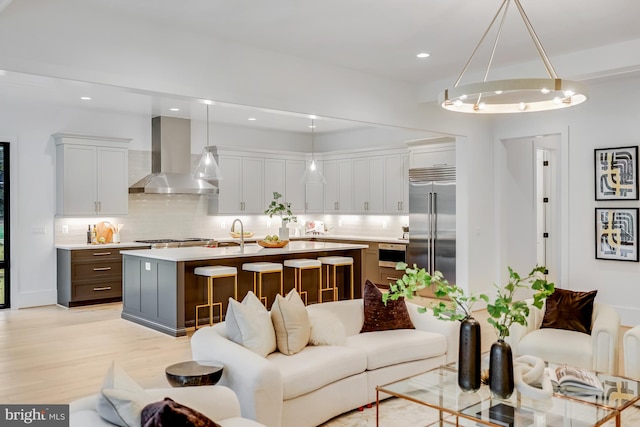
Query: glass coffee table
[[438, 389], [619, 394]]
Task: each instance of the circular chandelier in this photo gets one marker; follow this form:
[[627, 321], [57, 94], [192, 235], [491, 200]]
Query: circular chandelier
[[513, 95]]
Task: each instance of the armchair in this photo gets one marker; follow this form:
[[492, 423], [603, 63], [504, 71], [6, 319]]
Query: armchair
[[598, 351], [631, 344]]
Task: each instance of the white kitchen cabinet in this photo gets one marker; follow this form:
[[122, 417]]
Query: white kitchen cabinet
[[339, 188], [396, 184], [294, 187], [274, 180], [314, 192], [91, 175], [435, 153], [368, 183], [242, 186]]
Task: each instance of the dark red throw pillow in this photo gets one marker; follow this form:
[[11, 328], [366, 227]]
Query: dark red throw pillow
[[570, 310], [380, 317], [169, 413]]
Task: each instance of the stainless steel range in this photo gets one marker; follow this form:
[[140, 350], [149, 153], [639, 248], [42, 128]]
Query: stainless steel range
[[179, 243]]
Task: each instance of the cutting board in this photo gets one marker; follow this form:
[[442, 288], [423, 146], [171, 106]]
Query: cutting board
[[103, 229]]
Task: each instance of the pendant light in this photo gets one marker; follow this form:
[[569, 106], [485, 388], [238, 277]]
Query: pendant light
[[513, 95], [208, 168], [311, 173]]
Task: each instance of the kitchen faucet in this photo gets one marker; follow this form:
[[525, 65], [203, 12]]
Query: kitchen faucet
[[233, 224]]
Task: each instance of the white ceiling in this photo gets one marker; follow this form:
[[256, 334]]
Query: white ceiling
[[378, 37], [382, 37]]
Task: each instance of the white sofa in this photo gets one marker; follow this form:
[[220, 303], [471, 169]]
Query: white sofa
[[216, 402], [321, 382]]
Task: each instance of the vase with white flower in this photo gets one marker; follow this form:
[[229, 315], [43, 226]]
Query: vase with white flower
[[283, 210]]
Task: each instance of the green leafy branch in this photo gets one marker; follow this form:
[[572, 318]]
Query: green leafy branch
[[283, 210], [504, 311], [415, 279], [460, 306]]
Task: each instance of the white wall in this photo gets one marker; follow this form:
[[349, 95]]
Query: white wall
[[29, 129], [137, 55], [608, 119]]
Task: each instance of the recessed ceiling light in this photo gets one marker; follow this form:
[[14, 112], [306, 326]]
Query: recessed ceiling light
[[251, 119], [85, 98], [208, 102], [312, 117], [423, 55], [312, 126], [174, 109]]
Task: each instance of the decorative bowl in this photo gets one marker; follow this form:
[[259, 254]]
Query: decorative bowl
[[278, 244], [236, 235]]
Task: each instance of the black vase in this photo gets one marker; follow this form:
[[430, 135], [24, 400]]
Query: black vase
[[501, 370], [469, 355]]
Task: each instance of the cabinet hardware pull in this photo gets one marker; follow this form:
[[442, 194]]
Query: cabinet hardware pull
[[393, 279], [101, 253], [104, 288], [101, 268], [99, 206]]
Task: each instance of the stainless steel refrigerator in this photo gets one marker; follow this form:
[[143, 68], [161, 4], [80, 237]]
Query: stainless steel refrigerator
[[432, 221]]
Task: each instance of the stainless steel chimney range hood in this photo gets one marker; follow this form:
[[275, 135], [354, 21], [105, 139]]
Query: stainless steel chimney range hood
[[171, 161]]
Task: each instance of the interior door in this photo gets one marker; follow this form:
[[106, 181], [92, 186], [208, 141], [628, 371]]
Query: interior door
[[4, 225]]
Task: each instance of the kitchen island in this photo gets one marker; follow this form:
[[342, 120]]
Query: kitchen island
[[160, 289]]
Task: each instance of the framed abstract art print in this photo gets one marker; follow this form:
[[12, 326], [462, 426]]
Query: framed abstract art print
[[616, 173], [617, 234]]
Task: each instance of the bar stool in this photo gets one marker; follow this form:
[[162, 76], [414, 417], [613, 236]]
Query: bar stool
[[215, 272], [260, 268], [303, 264], [335, 261]]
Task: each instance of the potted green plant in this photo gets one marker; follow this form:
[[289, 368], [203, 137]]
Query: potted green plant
[[283, 210], [458, 308], [504, 312]]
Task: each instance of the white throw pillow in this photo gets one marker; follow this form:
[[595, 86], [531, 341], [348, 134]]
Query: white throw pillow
[[326, 328], [249, 325], [121, 399], [291, 322]]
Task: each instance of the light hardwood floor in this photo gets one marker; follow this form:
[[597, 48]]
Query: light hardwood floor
[[55, 355]]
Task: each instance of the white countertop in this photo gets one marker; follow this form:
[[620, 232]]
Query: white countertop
[[77, 246], [253, 249], [361, 238], [324, 236]]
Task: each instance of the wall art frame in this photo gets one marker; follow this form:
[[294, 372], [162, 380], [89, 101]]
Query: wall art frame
[[617, 234], [616, 173]]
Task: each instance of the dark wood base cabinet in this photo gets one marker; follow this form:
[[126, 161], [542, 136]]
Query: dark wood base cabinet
[[89, 276]]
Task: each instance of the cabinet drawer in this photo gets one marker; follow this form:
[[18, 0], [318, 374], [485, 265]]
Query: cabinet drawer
[[95, 254], [388, 275], [91, 291], [96, 270]]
